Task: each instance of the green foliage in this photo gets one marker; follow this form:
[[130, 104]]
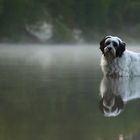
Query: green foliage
[[21, 10], [90, 16], [1, 6], [131, 13], [62, 34]]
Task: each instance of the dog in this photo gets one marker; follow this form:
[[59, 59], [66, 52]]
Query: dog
[[116, 92], [117, 60]]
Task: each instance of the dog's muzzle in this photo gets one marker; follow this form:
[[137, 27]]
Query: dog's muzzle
[[108, 50]]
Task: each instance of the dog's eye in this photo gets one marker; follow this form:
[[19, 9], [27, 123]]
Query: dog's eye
[[107, 43], [115, 44]]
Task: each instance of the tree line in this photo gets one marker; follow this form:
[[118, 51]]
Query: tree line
[[93, 17]]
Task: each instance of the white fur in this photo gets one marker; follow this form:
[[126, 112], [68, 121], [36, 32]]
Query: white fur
[[126, 65], [113, 38], [127, 88]]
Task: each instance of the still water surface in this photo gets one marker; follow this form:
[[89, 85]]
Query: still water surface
[[53, 93]]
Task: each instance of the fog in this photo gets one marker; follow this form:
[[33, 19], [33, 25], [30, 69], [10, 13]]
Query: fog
[[48, 54]]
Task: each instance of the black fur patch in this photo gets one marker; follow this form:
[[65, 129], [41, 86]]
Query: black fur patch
[[120, 49], [102, 44]]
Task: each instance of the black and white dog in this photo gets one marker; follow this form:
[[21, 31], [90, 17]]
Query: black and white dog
[[116, 60]]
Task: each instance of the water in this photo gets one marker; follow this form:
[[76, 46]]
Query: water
[[53, 93]]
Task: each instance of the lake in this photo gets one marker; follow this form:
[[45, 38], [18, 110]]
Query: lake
[[54, 93]]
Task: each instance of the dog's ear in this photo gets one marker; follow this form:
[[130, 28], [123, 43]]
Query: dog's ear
[[102, 43], [119, 102], [123, 44], [101, 105], [121, 49]]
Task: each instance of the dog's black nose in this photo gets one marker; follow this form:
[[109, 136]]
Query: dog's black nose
[[109, 48]]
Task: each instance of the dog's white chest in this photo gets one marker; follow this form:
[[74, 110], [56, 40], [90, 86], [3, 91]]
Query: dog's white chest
[[117, 67]]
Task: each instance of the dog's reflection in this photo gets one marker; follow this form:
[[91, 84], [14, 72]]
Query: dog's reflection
[[116, 92]]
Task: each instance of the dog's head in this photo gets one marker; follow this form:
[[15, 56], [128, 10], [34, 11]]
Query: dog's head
[[112, 46], [111, 106]]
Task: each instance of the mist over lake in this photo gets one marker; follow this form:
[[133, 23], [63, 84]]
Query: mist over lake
[[53, 92]]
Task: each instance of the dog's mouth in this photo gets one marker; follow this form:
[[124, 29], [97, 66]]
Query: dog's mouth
[[109, 52]]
